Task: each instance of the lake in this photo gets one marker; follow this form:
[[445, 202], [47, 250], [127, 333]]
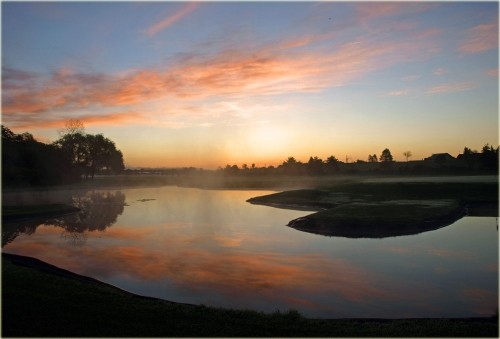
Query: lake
[[212, 247]]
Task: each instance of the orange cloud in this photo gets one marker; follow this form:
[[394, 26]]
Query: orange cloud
[[480, 38], [235, 72], [172, 19]]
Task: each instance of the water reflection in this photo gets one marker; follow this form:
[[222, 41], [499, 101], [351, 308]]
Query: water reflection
[[212, 247], [98, 210]]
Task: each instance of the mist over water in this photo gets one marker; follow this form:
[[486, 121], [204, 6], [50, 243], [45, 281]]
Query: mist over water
[[212, 247]]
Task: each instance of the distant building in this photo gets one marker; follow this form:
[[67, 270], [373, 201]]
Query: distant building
[[440, 158]]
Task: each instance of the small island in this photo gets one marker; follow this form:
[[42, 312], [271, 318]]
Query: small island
[[378, 210]]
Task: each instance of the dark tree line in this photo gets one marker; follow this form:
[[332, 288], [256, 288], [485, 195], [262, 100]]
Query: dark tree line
[[314, 166], [487, 159], [26, 161], [470, 162]]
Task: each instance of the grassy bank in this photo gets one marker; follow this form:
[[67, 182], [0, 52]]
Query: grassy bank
[[328, 196], [41, 300]]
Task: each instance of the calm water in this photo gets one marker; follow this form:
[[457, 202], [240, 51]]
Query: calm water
[[211, 247]]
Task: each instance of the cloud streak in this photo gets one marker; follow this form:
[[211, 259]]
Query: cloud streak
[[480, 38], [161, 25]]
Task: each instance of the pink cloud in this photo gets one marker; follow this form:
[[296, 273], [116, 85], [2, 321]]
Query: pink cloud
[[480, 38], [440, 71], [185, 10], [452, 87]]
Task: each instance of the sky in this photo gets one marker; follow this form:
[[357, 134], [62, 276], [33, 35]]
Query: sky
[[206, 84]]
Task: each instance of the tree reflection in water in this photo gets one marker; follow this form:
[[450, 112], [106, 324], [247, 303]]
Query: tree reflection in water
[[98, 211]]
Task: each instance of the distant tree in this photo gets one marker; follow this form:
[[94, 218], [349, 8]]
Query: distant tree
[[386, 156], [372, 158], [488, 149], [290, 161], [489, 157], [291, 166], [231, 169], [468, 151], [332, 163], [332, 160], [315, 166], [407, 155]]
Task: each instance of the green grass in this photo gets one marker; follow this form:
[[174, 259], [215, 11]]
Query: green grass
[[37, 303]]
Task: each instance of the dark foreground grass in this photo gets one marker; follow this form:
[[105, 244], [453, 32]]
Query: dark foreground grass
[[40, 300]]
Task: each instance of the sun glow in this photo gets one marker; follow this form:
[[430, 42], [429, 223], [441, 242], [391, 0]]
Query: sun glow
[[268, 140]]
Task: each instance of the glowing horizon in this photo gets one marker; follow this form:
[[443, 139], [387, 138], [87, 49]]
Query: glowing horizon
[[179, 84]]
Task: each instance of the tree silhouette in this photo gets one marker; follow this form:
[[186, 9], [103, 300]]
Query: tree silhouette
[[89, 153], [291, 166], [407, 155], [386, 156], [332, 163], [315, 165], [26, 161]]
